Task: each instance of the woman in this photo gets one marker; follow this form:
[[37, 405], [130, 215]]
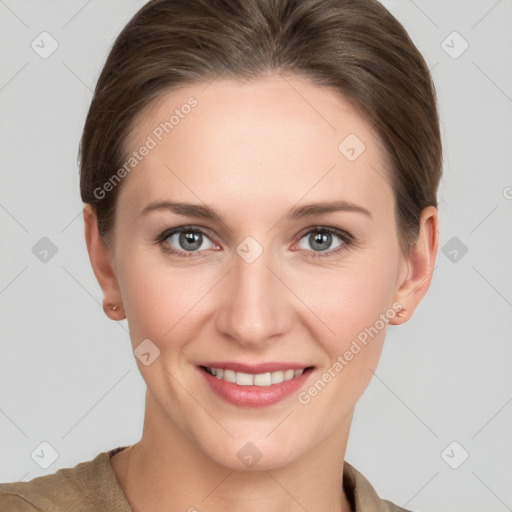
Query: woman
[[259, 180]]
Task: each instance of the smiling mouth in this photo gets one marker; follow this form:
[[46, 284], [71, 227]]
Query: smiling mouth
[[259, 379]]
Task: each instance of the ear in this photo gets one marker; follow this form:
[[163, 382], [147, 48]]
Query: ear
[[102, 264], [419, 266]]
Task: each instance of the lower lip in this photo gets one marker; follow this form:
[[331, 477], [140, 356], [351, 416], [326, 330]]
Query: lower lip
[[254, 396]]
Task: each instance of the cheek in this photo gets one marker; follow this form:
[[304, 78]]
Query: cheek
[[162, 304], [351, 307], [159, 298], [347, 299], [168, 303]]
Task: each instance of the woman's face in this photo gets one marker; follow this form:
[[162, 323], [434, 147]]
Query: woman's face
[[267, 279]]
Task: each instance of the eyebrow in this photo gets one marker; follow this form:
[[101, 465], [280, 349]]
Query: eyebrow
[[296, 213]]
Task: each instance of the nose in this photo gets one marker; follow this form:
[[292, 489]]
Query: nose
[[256, 308]]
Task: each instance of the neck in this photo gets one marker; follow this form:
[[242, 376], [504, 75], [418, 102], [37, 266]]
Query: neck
[[165, 471]]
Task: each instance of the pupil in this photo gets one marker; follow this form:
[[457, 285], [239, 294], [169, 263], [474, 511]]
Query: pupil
[[319, 238], [190, 238]]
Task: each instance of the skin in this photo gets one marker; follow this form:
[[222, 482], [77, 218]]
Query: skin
[[252, 151]]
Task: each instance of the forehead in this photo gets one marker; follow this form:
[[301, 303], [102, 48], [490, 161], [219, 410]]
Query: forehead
[[279, 138]]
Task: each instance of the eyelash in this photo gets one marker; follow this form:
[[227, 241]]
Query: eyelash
[[347, 239]]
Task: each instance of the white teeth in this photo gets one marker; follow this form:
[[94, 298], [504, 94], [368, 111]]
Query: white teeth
[[229, 375], [277, 377], [289, 374], [244, 379], [263, 379], [259, 379]]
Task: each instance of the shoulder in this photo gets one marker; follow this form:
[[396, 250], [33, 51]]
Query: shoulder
[[362, 495], [391, 507], [78, 489], [48, 492], [13, 503]]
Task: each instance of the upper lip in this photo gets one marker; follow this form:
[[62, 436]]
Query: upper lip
[[255, 368]]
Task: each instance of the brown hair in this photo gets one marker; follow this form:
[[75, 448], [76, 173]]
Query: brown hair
[[355, 47]]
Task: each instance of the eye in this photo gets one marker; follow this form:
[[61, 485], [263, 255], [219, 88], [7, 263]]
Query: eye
[[321, 238], [185, 240], [188, 242]]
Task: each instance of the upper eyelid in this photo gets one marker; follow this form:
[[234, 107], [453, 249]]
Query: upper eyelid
[[166, 233]]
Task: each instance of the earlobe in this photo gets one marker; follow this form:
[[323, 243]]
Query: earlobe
[[101, 262], [420, 266]]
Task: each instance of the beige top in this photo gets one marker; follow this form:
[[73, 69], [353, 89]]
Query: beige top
[[92, 486]]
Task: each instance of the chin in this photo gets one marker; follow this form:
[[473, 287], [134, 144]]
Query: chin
[[253, 453]]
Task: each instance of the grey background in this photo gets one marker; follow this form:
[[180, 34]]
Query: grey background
[[67, 373]]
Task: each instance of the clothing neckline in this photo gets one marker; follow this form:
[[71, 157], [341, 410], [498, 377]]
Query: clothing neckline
[[360, 493]]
